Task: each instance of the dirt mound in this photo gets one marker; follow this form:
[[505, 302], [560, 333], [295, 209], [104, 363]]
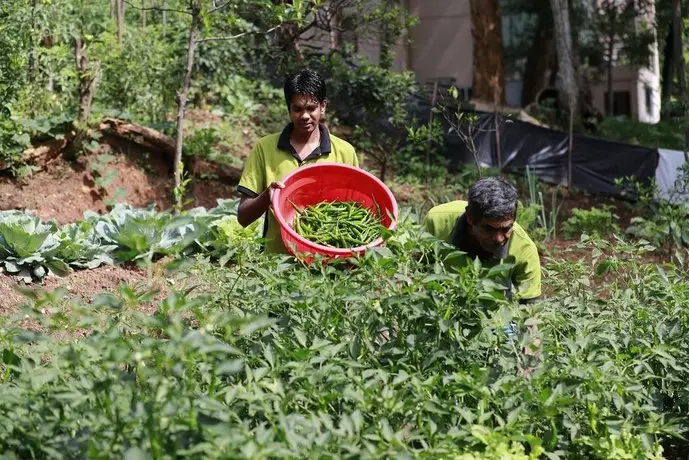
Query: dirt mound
[[117, 172]]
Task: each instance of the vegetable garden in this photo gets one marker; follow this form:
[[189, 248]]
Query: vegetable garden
[[395, 357], [391, 354]]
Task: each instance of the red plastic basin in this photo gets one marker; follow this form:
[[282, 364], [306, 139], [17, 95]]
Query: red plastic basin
[[320, 182]]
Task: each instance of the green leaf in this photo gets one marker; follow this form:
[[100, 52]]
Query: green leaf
[[43, 376], [230, 367], [58, 267], [136, 453], [603, 267], [11, 267], [39, 272], [300, 336], [499, 269], [24, 276], [22, 139], [386, 430]]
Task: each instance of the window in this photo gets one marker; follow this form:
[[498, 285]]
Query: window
[[649, 100], [621, 103]]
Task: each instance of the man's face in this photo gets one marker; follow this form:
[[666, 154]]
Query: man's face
[[491, 234], [306, 113]]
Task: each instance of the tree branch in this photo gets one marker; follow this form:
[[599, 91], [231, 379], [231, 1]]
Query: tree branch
[[232, 37], [219, 7], [155, 8]]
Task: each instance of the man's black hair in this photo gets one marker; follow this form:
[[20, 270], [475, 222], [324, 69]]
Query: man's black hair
[[306, 82], [492, 198]]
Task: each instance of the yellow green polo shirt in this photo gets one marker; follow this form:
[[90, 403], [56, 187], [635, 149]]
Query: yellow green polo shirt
[[273, 158], [447, 222]]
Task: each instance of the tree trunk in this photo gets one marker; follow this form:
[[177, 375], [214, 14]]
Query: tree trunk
[[88, 78], [386, 55], [677, 48], [120, 20], [539, 61], [496, 126], [143, 13], [563, 41], [142, 135], [113, 9], [182, 96], [610, 99], [610, 58], [32, 50], [486, 31], [335, 29], [667, 74], [42, 154], [288, 37], [570, 145]]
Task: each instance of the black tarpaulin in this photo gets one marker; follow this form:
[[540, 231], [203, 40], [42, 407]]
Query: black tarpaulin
[[596, 163]]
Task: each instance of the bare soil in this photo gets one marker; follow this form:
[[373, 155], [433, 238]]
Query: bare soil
[[85, 285]]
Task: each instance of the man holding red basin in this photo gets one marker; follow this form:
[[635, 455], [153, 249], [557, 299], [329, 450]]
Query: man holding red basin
[[305, 140]]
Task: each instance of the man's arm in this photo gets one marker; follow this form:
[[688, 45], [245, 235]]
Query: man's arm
[[253, 188], [251, 208]]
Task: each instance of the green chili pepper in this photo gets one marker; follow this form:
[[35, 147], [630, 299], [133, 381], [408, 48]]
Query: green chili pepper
[[343, 224]]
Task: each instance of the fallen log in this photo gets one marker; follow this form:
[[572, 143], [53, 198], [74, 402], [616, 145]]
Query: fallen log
[[138, 134], [41, 154]]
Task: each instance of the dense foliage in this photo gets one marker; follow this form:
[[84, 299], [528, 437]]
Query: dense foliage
[[395, 355]]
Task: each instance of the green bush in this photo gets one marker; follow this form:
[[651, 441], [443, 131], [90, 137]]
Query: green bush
[[386, 358], [664, 134], [528, 218], [13, 141], [241, 100], [13, 56], [421, 154], [662, 220], [139, 77], [599, 222], [16, 134], [366, 93]]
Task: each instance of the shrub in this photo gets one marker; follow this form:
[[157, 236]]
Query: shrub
[[389, 358], [595, 221]]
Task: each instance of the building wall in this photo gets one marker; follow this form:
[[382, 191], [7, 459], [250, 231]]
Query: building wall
[[442, 46], [648, 91], [441, 43]]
